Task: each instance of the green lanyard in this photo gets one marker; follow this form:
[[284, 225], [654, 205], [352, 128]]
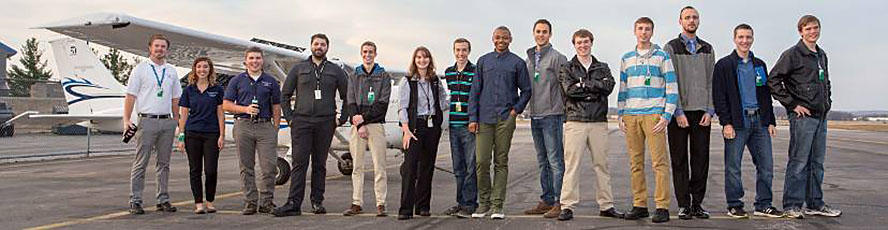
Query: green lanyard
[[159, 80]]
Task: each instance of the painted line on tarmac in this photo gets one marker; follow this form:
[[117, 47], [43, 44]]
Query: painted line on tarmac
[[181, 203]]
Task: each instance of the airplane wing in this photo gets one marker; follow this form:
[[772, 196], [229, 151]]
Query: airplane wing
[[131, 34]]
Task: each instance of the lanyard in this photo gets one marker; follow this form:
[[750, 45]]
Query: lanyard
[[426, 91], [159, 78], [318, 72]]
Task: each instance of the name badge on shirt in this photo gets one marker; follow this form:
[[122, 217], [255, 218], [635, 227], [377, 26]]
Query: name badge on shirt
[[759, 76], [429, 122], [160, 94], [647, 81], [317, 94], [458, 107]]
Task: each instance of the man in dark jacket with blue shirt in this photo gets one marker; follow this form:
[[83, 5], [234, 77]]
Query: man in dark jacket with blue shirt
[[743, 103]]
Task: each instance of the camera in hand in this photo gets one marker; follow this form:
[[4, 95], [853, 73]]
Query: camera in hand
[[129, 133]]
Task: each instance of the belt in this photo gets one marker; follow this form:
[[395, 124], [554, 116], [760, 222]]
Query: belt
[[165, 116], [424, 117], [751, 112], [255, 120]]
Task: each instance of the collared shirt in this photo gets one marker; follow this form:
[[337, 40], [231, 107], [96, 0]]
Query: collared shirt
[[202, 108], [460, 84], [242, 89], [746, 74], [425, 99], [143, 83], [501, 84], [691, 44]]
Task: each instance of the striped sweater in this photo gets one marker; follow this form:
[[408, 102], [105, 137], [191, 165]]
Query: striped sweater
[[459, 83], [647, 84]]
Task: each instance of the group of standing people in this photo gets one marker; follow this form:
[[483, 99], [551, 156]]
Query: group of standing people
[[669, 93]]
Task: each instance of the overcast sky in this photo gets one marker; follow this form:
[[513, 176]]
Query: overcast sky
[[398, 27]]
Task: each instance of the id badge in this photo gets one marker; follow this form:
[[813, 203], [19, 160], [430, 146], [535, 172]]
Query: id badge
[[820, 75], [647, 81], [317, 94], [429, 122], [159, 94], [458, 107], [371, 96], [536, 76]]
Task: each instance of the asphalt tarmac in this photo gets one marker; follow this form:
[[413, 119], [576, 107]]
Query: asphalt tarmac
[[92, 192]]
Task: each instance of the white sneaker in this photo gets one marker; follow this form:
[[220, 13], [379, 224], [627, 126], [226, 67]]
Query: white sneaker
[[498, 216], [481, 212], [824, 211]]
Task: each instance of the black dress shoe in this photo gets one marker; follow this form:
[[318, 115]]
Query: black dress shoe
[[611, 212], [636, 213], [684, 213], [566, 214], [318, 208], [404, 217], [136, 209], [660, 216], [289, 209], [166, 207], [699, 212]]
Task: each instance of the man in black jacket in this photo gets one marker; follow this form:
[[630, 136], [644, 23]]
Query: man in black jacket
[[743, 104], [586, 83], [314, 83], [800, 81]]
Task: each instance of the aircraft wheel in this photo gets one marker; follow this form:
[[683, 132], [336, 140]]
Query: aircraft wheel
[[283, 172], [346, 166]]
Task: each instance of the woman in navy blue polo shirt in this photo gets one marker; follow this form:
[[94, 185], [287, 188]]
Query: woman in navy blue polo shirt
[[204, 125]]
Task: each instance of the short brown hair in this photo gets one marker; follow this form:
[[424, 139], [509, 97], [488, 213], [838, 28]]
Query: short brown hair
[[463, 40], [743, 26], [544, 21], [686, 8], [582, 33], [368, 43], [158, 37], [321, 36], [805, 20], [644, 20], [253, 49]]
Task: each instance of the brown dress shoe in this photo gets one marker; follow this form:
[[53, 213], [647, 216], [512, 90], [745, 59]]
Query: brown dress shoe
[[554, 212], [353, 210], [541, 208], [380, 211]]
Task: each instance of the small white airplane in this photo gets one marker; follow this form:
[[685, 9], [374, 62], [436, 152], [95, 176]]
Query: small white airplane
[[95, 98]]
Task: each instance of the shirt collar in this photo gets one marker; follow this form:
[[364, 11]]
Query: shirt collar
[[504, 53], [801, 46]]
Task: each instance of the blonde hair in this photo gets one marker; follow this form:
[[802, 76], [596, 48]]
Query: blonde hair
[[211, 77]]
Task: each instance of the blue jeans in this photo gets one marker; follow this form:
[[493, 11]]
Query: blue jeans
[[548, 137], [804, 171], [462, 150], [754, 136]]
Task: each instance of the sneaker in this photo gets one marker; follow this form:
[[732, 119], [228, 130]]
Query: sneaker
[[540, 208], [737, 213], [267, 208], [823, 211], [353, 210], [136, 208], [684, 213], [699, 212], [481, 212], [464, 212], [554, 212], [166, 207], [249, 209], [498, 215], [660, 216], [768, 212], [318, 208], [795, 213], [452, 210], [566, 214], [636, 213]]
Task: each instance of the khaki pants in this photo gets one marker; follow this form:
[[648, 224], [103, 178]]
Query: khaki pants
[[494, 142], [257, 141], [358, 146], [640, 132], [579, 138]]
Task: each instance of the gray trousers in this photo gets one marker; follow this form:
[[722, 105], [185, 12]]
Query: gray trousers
[[254, 139], [153, 135]]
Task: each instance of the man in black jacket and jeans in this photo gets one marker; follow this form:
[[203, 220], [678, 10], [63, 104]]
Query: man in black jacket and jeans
[[586, 83], [743, 103], [800, 81], [314, 83]]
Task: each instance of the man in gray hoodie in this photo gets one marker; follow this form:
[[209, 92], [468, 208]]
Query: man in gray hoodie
[[546, 110]]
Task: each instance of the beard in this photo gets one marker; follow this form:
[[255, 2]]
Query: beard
[[692, 30], [319, 53]]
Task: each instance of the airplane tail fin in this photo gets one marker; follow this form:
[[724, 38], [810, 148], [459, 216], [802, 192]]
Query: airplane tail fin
[[88, 85]]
